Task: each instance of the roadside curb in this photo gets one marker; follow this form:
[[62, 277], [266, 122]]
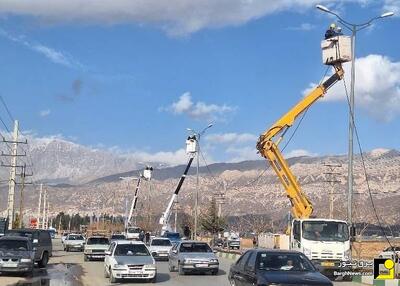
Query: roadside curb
[[369, 280]]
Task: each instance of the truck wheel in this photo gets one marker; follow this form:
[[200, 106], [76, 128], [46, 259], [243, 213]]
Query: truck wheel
[[45, 259], [180, 270]]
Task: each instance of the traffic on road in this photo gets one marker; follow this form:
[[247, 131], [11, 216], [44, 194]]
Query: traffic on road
[[132, 262]]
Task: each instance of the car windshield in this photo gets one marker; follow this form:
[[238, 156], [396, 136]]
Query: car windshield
[[15, 245], [161, 242], [75, 237], [118, 236], [195, 247], [97, 240], [133, 230], [131, 250], [284, 262], [325, 231]]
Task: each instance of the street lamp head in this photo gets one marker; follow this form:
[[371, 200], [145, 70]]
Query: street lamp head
[[387, 14], [210, 125], [322, 8]]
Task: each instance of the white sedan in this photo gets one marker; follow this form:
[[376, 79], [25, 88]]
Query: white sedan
[[129, 260]]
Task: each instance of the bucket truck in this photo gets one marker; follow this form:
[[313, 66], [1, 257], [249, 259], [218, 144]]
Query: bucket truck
[[164, 220], [132, 232], [325, 241]]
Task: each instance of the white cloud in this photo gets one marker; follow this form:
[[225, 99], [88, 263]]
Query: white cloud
[[174, 16], [300, 153], [51, 54], [231, 138], [199, 110], [44, 113], [302, 27], [245, 153], [392, 6], [377, 89]]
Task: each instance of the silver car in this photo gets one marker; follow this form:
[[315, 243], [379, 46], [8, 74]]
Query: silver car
[[193, 256]]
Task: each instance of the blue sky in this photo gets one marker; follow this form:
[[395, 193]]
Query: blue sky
[[134, 78]]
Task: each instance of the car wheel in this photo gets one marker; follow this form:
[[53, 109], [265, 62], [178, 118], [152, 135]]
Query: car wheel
[[45, 259], [232, 282], [112, 278], [214, 272], [106, 275], [153, 280], [67, 249], [85, 258], [180, 270]]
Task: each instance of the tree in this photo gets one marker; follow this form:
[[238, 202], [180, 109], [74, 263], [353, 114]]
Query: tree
[[210, 222]]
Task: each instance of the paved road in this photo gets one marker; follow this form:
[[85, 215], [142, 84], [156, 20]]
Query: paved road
[[69, 269]]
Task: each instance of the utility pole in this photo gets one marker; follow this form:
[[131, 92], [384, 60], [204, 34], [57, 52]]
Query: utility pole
[[332, 181], [40, 205], [44, 209], [21, 199], [354, 28], [196, 201]]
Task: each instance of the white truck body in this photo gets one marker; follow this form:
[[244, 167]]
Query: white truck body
[[326, 242]]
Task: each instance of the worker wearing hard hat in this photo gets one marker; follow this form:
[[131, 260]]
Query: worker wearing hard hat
[[333, 31]]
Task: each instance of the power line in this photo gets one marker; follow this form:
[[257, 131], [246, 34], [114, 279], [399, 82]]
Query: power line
[[365, 169], [7, 109]]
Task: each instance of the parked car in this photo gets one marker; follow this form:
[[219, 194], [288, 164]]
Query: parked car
[[232, 241], [129, 260], [41, 242], [74, 242], [160, 247], [275, 267], [16, 255], [117, 236], [95, 247], [392, 252], [193, 256]]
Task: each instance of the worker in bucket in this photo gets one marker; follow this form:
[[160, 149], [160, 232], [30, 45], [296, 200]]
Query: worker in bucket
[[333, 31]]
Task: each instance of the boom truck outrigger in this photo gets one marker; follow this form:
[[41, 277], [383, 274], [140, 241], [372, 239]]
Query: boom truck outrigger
[[325, 241]]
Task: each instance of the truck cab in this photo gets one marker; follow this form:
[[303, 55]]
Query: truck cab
[[326, 242]]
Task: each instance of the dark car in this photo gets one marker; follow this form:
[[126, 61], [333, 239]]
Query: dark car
[[275, 267], [174, 237], [217, 242], [16, 255], [41, 242]]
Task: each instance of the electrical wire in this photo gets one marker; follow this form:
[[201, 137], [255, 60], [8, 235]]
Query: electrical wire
[[7, 109], [364, 167]]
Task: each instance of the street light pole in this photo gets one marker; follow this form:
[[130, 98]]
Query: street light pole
[[354, 28], [196, 200]]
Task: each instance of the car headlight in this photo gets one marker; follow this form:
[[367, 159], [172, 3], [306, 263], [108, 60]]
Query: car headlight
[[88, 250], [347, 255], [149, 267], [213, 260], [26, 260], [119, 266], [307, 252]]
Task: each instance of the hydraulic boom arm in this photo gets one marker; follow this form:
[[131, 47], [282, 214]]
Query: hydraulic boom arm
[[268, 147], [166, 215], [134, 201]]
